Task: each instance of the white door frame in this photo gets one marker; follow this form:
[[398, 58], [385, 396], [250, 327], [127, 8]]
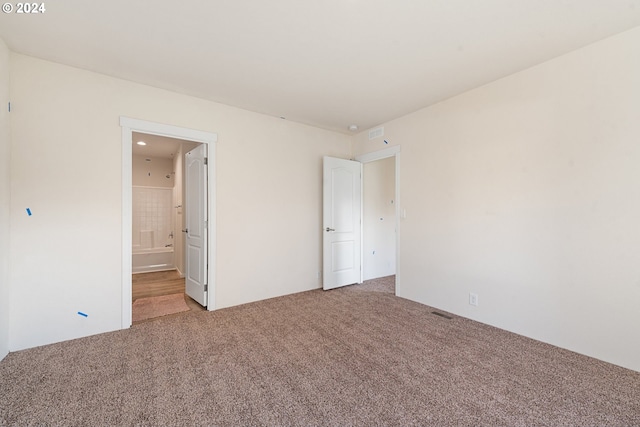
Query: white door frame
[[393, 151], [130, 125]]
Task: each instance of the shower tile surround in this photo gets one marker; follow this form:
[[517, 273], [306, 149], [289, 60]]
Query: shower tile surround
[[152, 217], [156, 194]]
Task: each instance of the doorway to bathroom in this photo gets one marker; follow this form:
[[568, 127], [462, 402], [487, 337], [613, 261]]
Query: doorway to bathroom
[[157, 203], [168, 218], [158, 227]]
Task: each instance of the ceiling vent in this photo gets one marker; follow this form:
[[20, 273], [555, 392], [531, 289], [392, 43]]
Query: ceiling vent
[[376, 133]]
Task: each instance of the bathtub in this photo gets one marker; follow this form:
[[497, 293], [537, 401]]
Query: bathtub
[[154, 259]]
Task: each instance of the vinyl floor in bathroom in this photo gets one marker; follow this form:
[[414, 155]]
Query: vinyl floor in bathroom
[[160, 283]]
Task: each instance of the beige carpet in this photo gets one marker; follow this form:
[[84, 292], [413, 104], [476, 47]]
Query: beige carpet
[[149, 308], [346, 357], [385, 284]]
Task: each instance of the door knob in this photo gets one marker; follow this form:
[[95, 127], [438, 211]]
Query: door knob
[[186, 230], [329, 229]]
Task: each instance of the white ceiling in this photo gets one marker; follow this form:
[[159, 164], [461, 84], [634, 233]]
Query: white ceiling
[[328, 63], [158, 146]]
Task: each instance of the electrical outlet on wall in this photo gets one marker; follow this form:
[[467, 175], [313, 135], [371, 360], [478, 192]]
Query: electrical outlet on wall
[[473, 298]]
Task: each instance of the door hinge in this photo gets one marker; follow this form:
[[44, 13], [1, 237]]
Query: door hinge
[[206, 224], [9, 106], [206, 288], [206, 160]]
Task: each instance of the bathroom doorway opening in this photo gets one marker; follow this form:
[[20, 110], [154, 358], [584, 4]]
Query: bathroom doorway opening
[[155, 236], [158, 225], [157, 203]]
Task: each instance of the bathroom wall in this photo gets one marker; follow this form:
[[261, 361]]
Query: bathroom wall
[[152, 225], [152, 171], [153, 216]]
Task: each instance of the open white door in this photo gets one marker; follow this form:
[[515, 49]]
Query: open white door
[[342, 199], [196, 224]]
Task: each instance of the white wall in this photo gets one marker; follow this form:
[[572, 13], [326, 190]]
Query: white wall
[[379, 218], [527, 192], [5, 156], [67, 256]]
